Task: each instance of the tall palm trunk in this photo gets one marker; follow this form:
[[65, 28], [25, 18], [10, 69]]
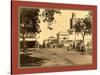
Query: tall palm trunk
[[75, 41], [23, 39], [83, 36]]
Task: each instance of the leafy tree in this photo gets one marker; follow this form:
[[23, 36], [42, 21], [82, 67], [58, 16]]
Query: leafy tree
[[83, 26], [29, 17], [48, 16], [29, 20]]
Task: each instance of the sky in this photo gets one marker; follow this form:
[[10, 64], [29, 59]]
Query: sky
[[61, 25]]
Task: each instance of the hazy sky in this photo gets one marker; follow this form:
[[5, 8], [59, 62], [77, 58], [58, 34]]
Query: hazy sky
[[61, 25]]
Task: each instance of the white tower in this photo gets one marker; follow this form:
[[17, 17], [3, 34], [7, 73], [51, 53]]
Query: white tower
[[72, 20]]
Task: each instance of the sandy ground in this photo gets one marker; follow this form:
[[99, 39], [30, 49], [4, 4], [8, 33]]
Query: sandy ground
[[60, 57]]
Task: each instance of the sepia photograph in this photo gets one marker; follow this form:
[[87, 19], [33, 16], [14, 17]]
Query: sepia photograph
[[50, 37], [53, 37]]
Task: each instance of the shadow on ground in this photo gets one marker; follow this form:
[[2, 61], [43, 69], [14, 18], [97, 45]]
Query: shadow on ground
[[28, 61]]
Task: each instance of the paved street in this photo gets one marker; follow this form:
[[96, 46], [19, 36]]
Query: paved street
[[60, 57]]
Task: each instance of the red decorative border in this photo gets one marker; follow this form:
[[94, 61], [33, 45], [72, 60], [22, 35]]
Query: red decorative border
[[14, 37]]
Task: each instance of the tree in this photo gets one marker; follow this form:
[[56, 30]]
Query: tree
[[48, 16], [29, 20], [83, 26]]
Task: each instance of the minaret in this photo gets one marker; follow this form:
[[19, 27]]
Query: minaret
[[72, 20], [73, 15]]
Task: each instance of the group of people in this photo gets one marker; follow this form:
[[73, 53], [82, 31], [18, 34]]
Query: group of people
[[71, 46], [81, 48], [78, 47], [42, 46]]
